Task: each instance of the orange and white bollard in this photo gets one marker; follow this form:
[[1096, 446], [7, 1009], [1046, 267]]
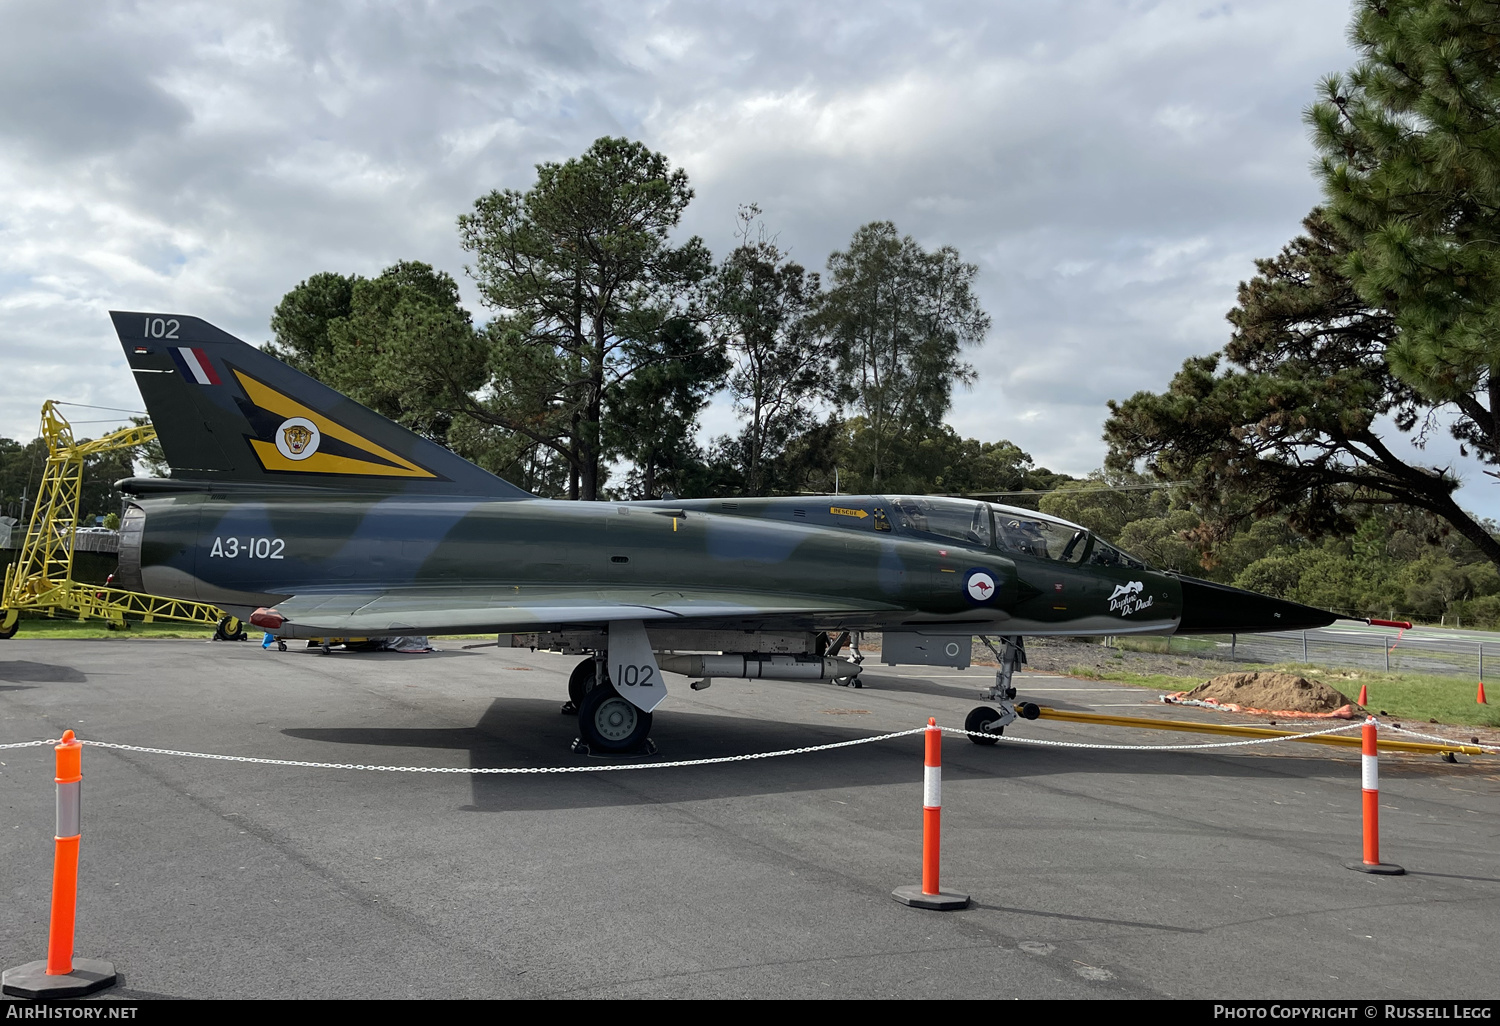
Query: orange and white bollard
[[1369, 773], [930, 894], [60, 975]]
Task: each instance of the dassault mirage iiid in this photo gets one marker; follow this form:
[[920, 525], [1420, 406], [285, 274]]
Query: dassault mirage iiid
[[298, 509]]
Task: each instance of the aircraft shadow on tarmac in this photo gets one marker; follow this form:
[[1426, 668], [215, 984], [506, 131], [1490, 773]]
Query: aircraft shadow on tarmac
[[530, 732], [40, 673]]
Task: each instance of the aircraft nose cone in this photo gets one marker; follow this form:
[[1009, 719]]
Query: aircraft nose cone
[[1209, 608]]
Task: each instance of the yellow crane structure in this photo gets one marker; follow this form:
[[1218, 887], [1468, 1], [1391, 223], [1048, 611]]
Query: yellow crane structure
[[41, 578]]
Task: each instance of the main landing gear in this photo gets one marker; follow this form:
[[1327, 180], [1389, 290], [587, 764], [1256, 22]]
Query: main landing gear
[[986, 720], [580, 683], [850, 638], [607, 723]]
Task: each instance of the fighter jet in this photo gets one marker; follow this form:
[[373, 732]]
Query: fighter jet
[[296, 508]]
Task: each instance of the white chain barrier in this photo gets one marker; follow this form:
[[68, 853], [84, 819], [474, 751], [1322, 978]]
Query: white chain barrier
[[612, 767], [806, 750], [1157, 748], [1492, 749]]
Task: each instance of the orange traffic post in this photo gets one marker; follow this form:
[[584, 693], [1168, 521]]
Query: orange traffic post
[[60, 975], [1369, 765], [929, 894]]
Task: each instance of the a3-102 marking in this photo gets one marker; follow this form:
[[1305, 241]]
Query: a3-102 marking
[[251, 548], [633, 676]]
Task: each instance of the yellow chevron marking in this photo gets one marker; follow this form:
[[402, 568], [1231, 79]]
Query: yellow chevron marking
[[267, 398]]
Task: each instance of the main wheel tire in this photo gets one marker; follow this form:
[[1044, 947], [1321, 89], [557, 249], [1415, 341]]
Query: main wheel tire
[[6, 633], [230, 629], [979, 719], [581, 682], [609, 723]]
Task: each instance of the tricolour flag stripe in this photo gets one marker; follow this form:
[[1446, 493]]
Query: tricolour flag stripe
[[195, 365]]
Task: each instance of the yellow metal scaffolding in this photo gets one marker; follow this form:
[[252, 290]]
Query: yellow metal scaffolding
[[41, 578]]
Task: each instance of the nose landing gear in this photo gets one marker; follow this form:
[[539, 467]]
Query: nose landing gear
[[985, 720]]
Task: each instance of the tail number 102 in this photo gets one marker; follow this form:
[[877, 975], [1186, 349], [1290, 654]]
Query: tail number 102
[[631, 676], [161, 327]]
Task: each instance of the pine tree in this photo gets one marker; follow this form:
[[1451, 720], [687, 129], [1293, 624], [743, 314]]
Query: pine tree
[[1292, 425], [1410, 141]]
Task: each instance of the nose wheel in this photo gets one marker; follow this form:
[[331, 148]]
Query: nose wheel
[[984, 720]]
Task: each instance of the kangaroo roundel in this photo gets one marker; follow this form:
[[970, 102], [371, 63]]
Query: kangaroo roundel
[[979, 585]]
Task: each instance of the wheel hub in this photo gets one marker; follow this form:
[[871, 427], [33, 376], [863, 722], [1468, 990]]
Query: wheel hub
[[615, 719]]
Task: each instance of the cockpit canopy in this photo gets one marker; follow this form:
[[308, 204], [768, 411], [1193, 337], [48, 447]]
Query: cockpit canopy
[[958, 519], [1006, 528]]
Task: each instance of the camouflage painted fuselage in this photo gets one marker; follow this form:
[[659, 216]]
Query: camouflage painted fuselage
[[285, 493], [776, 560]]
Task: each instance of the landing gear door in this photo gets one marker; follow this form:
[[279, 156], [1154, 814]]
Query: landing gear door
[[632, 665], [899, 648]]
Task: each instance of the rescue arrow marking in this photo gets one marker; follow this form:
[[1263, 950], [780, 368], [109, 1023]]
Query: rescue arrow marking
[[843, 511]]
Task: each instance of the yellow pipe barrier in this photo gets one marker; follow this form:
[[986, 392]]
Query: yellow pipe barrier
[[1342, 740]]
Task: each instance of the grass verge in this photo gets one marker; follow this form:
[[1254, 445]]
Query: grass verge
[[72, 630], [1418, 697]]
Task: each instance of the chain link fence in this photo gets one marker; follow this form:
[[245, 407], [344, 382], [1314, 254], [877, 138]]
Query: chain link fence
[[1393, 651]]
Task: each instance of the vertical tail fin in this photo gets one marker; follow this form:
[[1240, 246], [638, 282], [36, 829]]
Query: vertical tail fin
[[227, 412]]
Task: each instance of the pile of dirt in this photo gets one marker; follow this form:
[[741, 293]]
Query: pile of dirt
[[1281, 694]]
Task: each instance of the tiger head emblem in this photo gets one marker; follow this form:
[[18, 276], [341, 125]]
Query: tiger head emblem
[[296, 437]]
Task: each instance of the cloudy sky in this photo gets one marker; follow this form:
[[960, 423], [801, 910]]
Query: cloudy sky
[[1112, 166]]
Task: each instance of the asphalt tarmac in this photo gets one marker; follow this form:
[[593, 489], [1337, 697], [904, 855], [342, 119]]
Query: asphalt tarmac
[[1094, 874]]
